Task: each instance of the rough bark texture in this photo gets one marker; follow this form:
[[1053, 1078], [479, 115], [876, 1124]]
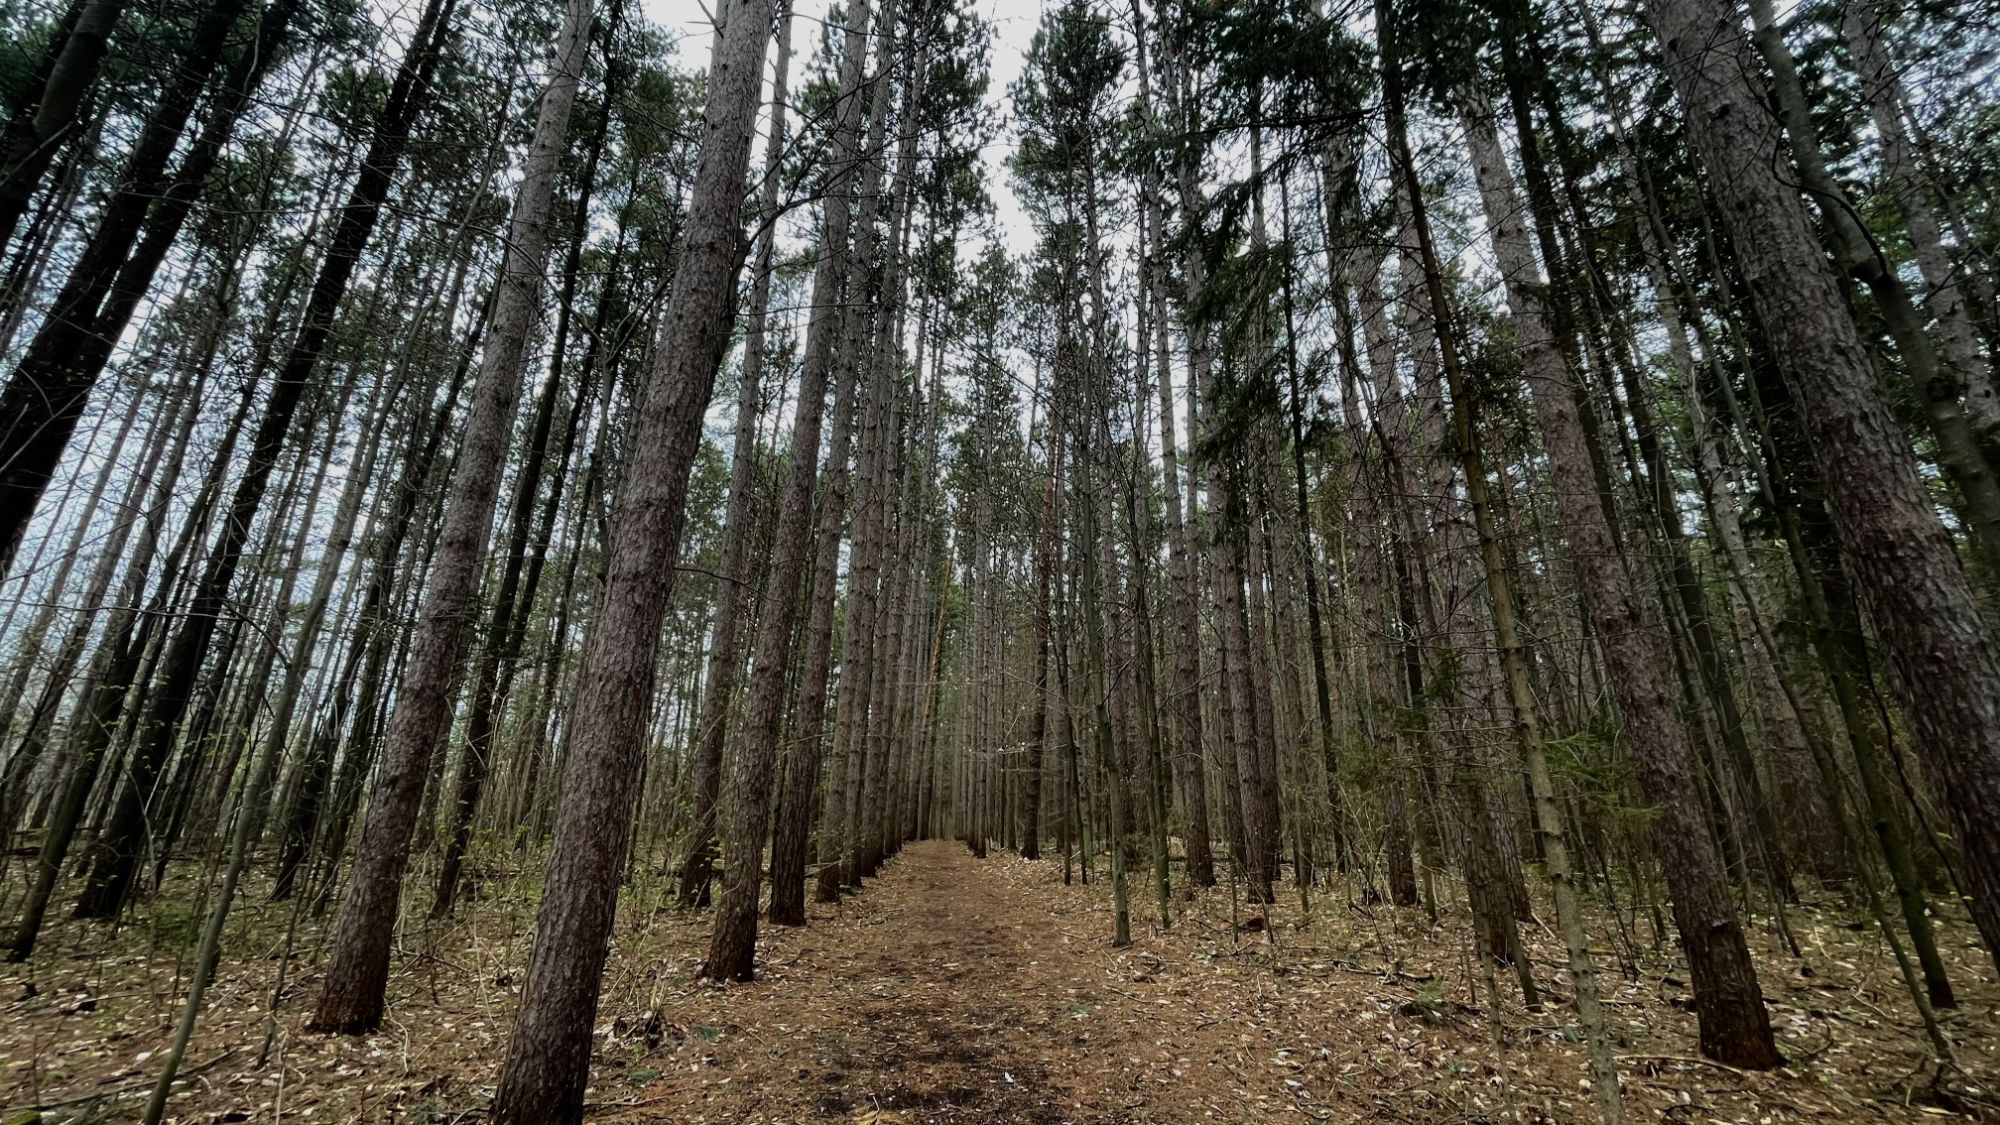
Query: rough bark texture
[[1729, 1006], [548, 1055], [733, 592], [1971, 468], [802, 768], [865, 554], [1946, 667], [352, 999], [733, 944]]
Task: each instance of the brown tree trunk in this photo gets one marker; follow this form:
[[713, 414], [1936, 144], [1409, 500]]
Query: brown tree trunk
[[1728, 1003], [548, 1055], [733, 944], [352, 999], [1947, 669], [734, 587], [493, 682]]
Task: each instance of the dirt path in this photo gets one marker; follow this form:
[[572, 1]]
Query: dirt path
[[944, 995]]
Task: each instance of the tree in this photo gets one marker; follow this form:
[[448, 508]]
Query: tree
[[732, 947], [353, 996], [548, 1055], [1946, 668]]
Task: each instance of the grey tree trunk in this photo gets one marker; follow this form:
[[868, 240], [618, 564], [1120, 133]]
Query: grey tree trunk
[[1864, 24], [352, 999]]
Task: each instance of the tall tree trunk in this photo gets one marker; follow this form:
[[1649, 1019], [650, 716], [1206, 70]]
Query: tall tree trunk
[[548, 1055], [1973, 469], [733, 943], [1947, 669], [493, 682], [1045, 560], [352, 999], [864, 566], [734, 589], [1864, 25], [802, 765], [1184, 592], [1734, 1027], [367, 648], [102, 693], [888, 492]]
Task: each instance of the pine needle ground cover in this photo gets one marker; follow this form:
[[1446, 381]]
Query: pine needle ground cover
[[960, 990]]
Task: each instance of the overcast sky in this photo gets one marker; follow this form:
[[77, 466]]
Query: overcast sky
[[1013, 25]]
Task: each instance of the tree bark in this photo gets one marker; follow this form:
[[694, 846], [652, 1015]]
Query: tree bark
[[1734, 1027], [36, 133], [548, 1055], [733, 593], [352, 999], [1947, 669], [733, 943]]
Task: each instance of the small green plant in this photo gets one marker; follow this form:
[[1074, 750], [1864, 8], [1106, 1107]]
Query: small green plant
[[1429, 1004]]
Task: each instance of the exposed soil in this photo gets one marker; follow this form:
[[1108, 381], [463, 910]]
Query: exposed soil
[[956, 990], [942, 998]]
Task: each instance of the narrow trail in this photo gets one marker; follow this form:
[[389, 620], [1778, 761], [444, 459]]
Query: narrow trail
[[945, 993], [955, 1000]]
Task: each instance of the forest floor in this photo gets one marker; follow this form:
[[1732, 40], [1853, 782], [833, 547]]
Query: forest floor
[[956, 990]]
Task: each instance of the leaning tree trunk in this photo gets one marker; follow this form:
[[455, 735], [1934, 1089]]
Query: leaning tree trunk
[[734, 588], [1882, 88], [118, 848], [493, 681], [36, 133], [102, 693], [733, 944], [1972, 465], [1729, 1006], [1946, 665], [359, 971], [548, 1055], [365, 647]]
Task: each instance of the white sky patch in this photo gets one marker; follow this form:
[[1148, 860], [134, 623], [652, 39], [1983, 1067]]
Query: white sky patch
[[1014, 23]]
